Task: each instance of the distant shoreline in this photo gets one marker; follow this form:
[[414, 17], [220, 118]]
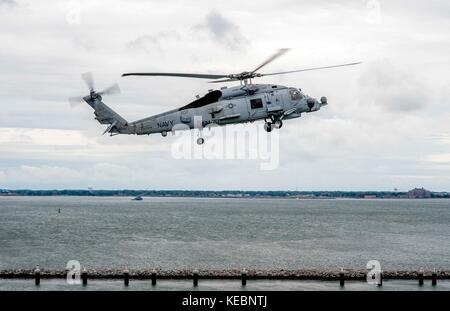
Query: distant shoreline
[[230, 194]]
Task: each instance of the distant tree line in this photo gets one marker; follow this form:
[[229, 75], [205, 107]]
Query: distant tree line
[[216, 194]]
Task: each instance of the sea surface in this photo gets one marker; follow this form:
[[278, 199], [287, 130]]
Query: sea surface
[[177, 233]]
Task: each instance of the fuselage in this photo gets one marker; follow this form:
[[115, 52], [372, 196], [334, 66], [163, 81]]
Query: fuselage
[[238, 104]]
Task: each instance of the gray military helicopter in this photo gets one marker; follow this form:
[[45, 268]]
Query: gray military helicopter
[[246, 102]]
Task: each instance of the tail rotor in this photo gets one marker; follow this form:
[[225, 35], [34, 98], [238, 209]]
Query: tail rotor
[[88, 78]]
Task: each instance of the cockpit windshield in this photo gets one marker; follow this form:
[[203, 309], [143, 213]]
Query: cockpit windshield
[[295, 94]]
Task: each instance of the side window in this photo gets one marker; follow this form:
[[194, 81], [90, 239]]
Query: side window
[[256, 103]]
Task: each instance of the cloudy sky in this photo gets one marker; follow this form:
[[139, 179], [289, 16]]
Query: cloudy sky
[[387, 124]]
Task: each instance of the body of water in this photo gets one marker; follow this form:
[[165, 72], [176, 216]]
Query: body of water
[[175, 233]]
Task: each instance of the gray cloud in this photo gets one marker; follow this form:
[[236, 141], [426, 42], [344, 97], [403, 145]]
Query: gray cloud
[[384, 85], [222, 30], [9, 3], [151, 41]]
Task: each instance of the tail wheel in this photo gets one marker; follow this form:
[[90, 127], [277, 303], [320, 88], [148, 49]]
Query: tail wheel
[[278, 124], [268, 127], [200, 140]]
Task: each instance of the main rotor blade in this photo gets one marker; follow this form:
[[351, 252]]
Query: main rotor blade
[[172, 74], [89, 80], [224, 80], [307, 69], [271, 59], [113, 89]]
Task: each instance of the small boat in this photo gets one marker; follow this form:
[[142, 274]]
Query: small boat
[[138, 198]]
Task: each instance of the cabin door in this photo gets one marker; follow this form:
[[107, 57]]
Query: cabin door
[[257, 107]]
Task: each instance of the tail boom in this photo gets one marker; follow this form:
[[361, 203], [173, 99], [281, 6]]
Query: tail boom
[[105, 115]]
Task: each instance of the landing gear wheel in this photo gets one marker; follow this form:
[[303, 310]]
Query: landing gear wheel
[[268, 127], [200, 140], [278, 124]]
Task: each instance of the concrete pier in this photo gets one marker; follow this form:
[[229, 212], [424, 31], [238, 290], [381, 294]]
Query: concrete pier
[[153, 277], [37, 276], [84, 277], [195, 277], [342, 277], [244, 277], [434, 278], [126, 277]]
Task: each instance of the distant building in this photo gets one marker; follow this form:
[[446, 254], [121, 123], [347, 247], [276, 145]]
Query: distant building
[[370, 196], [419, 193]]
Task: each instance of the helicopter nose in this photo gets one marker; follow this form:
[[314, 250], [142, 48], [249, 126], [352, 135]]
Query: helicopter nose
[[311, 102], [323, 101]]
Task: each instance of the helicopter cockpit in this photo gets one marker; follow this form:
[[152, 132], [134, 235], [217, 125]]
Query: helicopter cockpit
[[296, 94]]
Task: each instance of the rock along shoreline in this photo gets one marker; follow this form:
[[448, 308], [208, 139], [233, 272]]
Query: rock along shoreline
[[299, 274]]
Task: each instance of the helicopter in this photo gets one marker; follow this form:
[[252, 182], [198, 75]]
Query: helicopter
[[246, 102]]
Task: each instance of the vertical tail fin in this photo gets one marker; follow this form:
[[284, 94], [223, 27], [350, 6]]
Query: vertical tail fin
[[105, 115]]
